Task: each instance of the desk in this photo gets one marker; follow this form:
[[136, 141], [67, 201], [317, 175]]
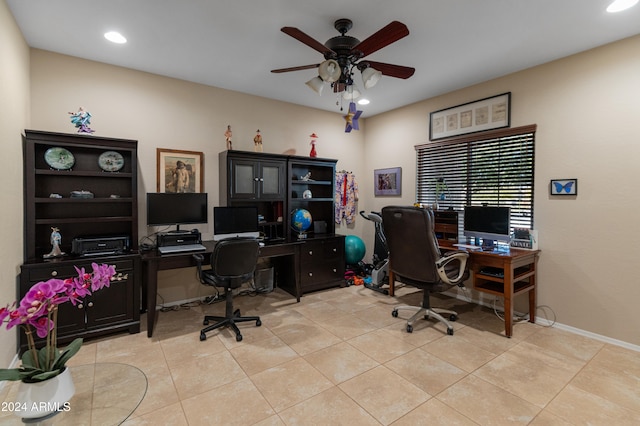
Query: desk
[[520, 267], [287, 271]]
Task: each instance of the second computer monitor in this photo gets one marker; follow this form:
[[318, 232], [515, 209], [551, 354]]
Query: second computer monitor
[[232, 222]]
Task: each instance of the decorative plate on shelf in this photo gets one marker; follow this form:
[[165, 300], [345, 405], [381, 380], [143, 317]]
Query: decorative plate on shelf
[[59, 158], [111, 161]]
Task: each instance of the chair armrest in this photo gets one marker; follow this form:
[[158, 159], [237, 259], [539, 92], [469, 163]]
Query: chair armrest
[[459, 256]]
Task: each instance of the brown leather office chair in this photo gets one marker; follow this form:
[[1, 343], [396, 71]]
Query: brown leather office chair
[[415, 259], [233, 262]]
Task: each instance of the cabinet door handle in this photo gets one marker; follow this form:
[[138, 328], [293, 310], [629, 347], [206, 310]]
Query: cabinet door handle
[[335, 270], [90, 304], [261, 179], [335, 250], [54, 273], [310, 252], [255, 179], [80, 306], [310, 274]]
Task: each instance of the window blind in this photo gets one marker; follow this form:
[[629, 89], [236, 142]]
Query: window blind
[[494, 168]]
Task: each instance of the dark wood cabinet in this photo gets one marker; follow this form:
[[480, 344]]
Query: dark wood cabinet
[[256, 179], [278, 185], [108, 310], [105, 171], [446, 227], [322, 263]]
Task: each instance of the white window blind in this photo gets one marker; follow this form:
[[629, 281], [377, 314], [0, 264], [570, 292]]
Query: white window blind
[[494, 168]]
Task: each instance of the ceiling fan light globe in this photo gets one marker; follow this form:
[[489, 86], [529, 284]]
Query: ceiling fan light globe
[[351, 93], [316, 84], [329, 71], [370, 77]]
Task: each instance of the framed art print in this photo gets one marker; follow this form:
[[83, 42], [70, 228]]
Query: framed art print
[[563, 187], [387, 181], [485, 114], [180, 171]]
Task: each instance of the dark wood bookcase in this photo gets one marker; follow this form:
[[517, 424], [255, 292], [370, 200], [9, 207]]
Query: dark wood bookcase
[[111, 211]]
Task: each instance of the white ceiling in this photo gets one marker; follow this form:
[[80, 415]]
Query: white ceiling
[[233, 44]]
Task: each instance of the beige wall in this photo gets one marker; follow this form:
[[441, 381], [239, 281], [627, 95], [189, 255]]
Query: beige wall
[[162, 112], [14, 116], [586, 107]]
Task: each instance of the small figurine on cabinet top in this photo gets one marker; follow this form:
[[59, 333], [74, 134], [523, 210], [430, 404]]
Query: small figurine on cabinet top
[[228, 136], [313, 152], [81, 120], [56, 240], [257, 141]]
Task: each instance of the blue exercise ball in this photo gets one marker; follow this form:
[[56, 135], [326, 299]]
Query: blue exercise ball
[[354, 249]]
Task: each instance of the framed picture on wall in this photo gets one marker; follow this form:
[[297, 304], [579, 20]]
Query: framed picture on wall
[[387, 181], [180, 171], [563, 187], [484, 114]]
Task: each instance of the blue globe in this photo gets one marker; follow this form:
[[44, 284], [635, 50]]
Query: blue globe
[[301, 220], [354, 249]]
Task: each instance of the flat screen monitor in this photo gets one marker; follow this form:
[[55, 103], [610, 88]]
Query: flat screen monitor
[[488, 223], [167, 209], [232, 222]]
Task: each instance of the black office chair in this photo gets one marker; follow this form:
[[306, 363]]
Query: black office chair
[[415, 259], [233, 262]]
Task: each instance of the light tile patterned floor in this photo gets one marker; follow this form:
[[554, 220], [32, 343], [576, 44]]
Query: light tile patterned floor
[[339, 358]]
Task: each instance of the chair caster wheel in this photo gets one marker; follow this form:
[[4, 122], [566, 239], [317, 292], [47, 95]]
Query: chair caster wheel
[[453, 317], [394, 313], [203, 337], [238, 337], [409, 328], [258, 323], [450, 331], [205, 322]]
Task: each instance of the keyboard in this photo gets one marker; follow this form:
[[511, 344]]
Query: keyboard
[[468, 246], [186, 248]]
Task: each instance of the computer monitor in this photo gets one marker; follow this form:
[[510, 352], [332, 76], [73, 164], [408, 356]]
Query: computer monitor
[[487, 222], [232, 222], [167, 209]]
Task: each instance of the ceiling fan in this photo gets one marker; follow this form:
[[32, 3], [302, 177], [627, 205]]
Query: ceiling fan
[[343, 53]]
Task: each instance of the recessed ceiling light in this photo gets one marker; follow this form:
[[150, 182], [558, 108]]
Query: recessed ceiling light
[[363, 102], [116, 37], [620, 5]]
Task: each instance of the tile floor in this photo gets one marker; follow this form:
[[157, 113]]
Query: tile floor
[[339, 357]]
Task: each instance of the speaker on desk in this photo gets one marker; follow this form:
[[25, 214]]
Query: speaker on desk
[[320, 227]]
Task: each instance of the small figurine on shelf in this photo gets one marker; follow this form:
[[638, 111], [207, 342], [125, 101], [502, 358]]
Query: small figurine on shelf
[[257, 141], [228, 136], [313, 152], [56, 240], [81, 120]]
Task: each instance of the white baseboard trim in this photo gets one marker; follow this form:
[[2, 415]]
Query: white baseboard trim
[[545, 322]]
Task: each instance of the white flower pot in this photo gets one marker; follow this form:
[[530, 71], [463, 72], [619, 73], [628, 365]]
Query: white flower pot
[[44, 398]]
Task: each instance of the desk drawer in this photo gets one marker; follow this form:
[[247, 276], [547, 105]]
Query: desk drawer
[[326, 249], [46, 271], [322, 263], [321, 272]]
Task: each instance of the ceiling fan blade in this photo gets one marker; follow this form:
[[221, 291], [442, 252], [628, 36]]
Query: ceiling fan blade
[[306, 39], [391, 70], [303, 67], [384, 37]]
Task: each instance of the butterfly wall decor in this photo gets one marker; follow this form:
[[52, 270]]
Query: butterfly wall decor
[[563, 187]]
